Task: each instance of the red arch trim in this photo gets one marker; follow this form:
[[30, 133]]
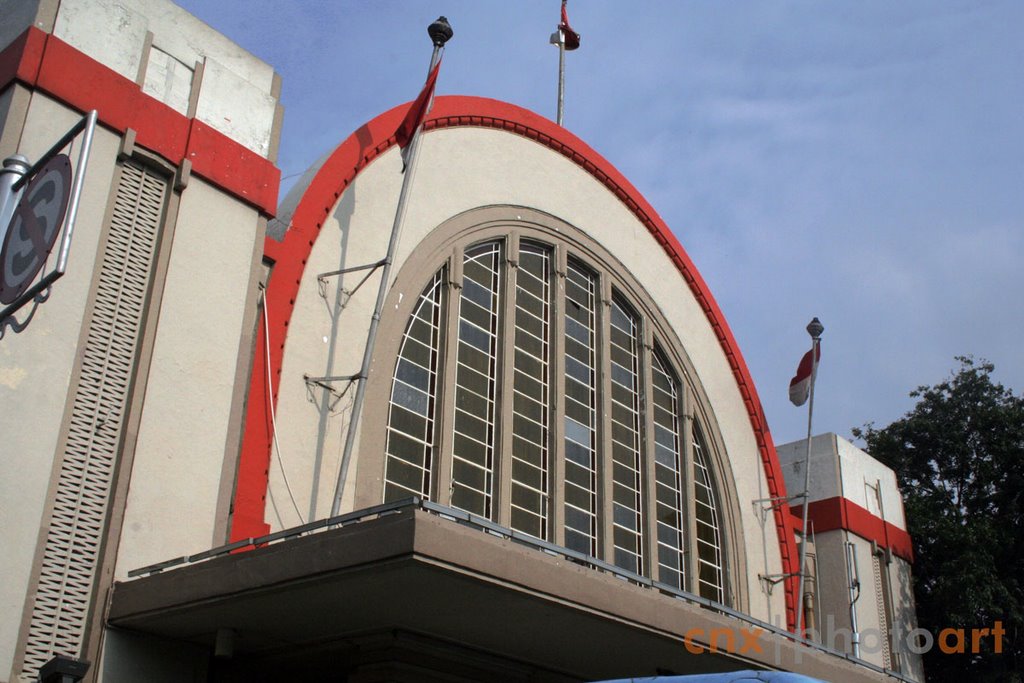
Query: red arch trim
[[342, 167]]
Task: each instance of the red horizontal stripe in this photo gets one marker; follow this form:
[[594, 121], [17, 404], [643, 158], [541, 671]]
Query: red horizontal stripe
[[839, 513], [20, 60], [43, 61]]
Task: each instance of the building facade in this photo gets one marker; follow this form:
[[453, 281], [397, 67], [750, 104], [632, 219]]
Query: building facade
[[862, 553], [561, 470]]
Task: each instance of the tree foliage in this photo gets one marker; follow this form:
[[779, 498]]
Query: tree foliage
[[959, 459]]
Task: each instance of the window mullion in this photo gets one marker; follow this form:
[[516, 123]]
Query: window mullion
[[503, 414], [648, 477], [606, 482], [557, 397], [443, 457], [690, 494]]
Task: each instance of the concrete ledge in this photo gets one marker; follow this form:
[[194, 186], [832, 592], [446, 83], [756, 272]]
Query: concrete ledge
[[416, 572]]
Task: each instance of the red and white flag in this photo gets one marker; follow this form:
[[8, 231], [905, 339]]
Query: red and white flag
[[414, 117], [800, 385], [570, 37]]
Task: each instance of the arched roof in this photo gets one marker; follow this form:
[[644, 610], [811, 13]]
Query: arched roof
[[324, 187]]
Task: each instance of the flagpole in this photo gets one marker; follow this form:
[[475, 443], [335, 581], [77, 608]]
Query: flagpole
[[563, 35], [561, 75], [440, 32], [814, 328]]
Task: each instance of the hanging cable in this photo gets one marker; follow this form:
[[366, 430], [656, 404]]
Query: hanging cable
[[273, 416], [273, 504]]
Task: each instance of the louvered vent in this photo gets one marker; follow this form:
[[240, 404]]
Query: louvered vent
[[71, 554], [883, 616]]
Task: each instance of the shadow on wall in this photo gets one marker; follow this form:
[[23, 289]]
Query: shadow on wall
[[337, 400]]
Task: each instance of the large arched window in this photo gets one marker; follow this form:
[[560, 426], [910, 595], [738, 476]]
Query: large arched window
[[534, 388]]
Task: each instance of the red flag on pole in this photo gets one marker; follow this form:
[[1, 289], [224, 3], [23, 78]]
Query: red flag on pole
[[800, 385], [571, 38], [417, 112]]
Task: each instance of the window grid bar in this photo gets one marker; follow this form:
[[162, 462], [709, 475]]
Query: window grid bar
[[670, 495], [645, 469], [709, 554], [627, 532], [535, 265], [480, 263], [422, 460], [583, 312]]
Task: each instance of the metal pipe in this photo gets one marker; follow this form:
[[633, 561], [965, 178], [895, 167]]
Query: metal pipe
[[58, 146], [439, 39], [15, 168], [354, 269], [854, 588], [76, 192]]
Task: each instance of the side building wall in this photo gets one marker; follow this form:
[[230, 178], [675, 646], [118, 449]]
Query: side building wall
[[123, 392], [860, 540]]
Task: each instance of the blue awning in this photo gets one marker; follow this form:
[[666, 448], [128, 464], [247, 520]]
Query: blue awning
[[731, 677]]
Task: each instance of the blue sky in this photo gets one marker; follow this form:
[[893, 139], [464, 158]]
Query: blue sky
[[862, 162]]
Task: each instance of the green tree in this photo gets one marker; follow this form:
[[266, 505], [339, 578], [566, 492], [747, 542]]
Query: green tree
[[959, 459]]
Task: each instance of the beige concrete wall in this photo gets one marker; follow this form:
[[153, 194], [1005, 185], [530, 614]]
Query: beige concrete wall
[[835, 623], [189, 427], [236, 94], [840, 469], [834, 600], [832, 581], [826, 481], [35, 370], [185, 427], [462, 169], [10, 120], [859, 471], [869, 619]]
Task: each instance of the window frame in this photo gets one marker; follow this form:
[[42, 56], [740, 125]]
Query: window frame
[[444, 248]]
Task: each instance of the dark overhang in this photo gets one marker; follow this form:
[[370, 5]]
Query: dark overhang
[[448, 586]]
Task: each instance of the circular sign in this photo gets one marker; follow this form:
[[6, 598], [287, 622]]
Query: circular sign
[[34, 227]]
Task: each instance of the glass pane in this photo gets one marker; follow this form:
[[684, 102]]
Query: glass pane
[[528, 523], [477, 293], [411, 399], [578, 496], [581, 543], [577, 432], [413, 374], [577, 519], [626, 560], [623, 516], [578, 453], [405, 448], [527, 475]]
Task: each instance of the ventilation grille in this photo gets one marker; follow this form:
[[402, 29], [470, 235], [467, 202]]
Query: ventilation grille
[[73, 542], [883, 616]]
